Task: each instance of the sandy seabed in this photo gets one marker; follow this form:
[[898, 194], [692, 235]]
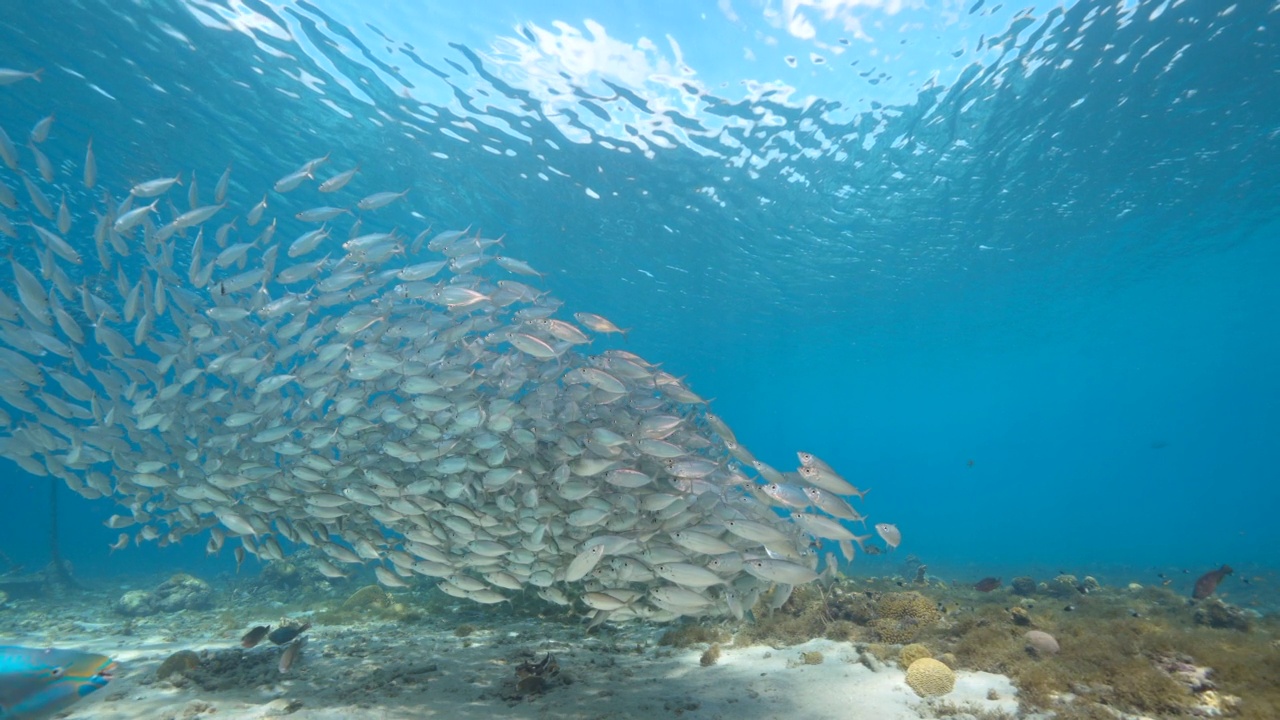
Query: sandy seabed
[[385, 671]]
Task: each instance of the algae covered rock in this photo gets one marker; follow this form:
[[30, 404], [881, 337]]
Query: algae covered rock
[[1041, 644], [692, 634], [281, 574], [711, 656], [136, 603], [811, 658], [1023, 586], [179, 662], [1224, 616], [930, 678], [369, 597], [183, 592], [1063, 586]]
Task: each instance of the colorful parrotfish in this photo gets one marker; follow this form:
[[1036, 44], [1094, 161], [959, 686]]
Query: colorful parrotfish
[[37, 683]]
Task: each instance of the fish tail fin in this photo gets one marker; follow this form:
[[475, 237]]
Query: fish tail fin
[[38, 75]]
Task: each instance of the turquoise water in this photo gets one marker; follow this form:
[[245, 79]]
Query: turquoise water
[[1013, 271]]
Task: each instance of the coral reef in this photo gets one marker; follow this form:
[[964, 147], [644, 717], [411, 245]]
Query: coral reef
[[901, 616], [1123, 652], [895, 631], [811, 612], [930, 678], [911, 653], [1101, 661], [908, 606]]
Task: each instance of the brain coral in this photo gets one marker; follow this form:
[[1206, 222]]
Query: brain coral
[[908, 605], [930, 678], [912, 653]]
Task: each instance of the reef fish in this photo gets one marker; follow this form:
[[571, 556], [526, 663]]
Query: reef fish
[[254, 636], [987, 584], [1208, 582], [889, 534], [405, 402], [290, 654], [38, 683], [282, 635]]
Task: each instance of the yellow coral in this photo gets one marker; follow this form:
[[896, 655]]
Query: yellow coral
[[930, 678], [912, 653], [908, 606]]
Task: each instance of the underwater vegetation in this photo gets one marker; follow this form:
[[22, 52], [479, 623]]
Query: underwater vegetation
[[1135, 649]]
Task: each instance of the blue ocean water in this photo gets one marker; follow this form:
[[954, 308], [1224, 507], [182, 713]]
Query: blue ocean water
[[1010, 267]]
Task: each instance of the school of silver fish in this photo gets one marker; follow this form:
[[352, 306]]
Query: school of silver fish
[[271, 372]]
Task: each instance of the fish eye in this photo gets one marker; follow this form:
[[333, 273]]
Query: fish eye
[[56, 672]]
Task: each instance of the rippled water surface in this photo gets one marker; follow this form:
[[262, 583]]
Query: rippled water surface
[[1011, 267]]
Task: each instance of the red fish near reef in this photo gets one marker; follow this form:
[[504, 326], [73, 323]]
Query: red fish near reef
[[987, 584], [1208, 582]]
